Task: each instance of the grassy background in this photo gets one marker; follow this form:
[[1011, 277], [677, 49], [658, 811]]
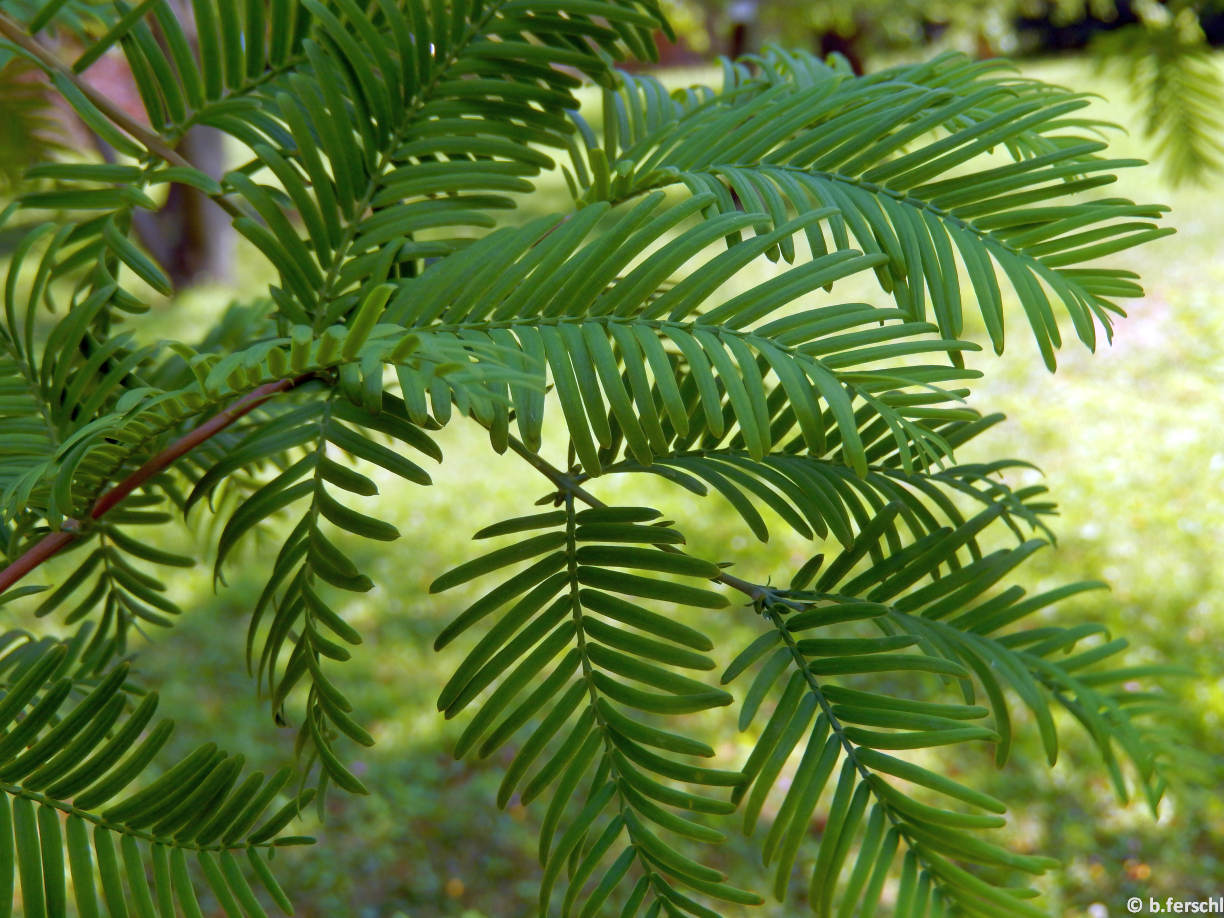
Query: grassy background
[[1130, 445]]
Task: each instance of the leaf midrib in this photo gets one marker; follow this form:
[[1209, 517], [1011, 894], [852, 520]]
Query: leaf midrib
[[340, 253]]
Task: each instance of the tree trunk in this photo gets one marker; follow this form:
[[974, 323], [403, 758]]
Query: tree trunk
[[743, 13], [845, 45], [190, 236]]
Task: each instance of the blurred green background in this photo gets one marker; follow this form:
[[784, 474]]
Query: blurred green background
[[1130, 442]]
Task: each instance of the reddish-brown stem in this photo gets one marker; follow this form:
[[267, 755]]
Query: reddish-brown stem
[[47, 546], [54, 542]]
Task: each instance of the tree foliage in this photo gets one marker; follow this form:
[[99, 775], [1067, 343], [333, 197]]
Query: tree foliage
[[1167, 62], [381, 141]]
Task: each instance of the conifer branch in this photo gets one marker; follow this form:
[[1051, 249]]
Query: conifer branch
[[568, 485], [52, 543]]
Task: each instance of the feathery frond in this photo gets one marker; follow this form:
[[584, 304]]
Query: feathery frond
[[902, 622], [901, 157], [28, 132], [75, 740], [1169, 68], [603, 743]]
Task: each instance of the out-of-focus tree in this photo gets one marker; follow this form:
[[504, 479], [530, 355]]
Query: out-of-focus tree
[[28, 132], [29, 125], [1166, 60], [1160, 48], [186, 235], [874, 26], [732, 27]]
